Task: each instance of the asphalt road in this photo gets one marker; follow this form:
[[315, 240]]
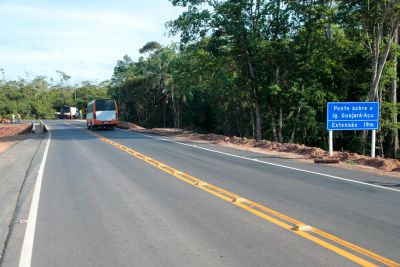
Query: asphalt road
[[100, 206]]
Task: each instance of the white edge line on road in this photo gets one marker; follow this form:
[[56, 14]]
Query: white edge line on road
[[27, 246], [268, 163]]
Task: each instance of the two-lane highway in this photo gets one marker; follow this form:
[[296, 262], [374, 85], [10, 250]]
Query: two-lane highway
[[116, 198]]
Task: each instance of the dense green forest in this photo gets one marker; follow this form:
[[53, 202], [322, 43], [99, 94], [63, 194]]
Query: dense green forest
[[256, 68]]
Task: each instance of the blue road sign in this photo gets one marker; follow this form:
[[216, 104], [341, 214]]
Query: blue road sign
[[352, 116]]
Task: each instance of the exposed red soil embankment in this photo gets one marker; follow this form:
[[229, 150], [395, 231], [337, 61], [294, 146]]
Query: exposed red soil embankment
[[11, 133], [14, 129]]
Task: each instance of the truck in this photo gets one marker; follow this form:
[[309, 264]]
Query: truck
[[69, 113]]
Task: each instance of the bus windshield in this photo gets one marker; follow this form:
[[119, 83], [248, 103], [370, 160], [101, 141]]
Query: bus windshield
[[105, 105]]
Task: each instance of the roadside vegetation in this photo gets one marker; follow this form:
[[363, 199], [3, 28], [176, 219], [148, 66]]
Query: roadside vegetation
[[250, 68], [39, 99], [266, 69]]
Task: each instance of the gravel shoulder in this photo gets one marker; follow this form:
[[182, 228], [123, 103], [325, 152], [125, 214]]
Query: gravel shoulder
[[8, 141]]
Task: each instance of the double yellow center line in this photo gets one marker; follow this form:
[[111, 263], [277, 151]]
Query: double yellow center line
[[342, 247]]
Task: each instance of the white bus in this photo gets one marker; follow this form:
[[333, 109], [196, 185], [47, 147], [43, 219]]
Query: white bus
[[102, 113]]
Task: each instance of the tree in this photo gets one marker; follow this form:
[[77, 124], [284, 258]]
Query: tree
[[379, 20], [159, 71], [234, 24], [394, 136]]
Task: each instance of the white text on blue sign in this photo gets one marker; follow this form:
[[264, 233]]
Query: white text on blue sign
[[352, 116]]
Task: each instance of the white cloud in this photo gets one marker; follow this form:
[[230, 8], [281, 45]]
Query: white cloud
[[85, 43], [108, 19]]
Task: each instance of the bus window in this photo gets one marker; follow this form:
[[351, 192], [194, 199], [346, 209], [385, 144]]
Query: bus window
[[105, 105]]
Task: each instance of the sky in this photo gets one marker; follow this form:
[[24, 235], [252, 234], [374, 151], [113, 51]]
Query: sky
[[83, 38]]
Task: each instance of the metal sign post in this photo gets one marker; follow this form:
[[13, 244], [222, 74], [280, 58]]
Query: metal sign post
[[373, 142], [331, 143], [345, 116]]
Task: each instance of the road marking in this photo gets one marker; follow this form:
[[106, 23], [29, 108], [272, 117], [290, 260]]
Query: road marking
[[268, 163], [27, 246], [264, 212]]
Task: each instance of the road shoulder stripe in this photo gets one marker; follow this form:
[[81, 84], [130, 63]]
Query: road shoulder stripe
[[27, 246], [268, 163]]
